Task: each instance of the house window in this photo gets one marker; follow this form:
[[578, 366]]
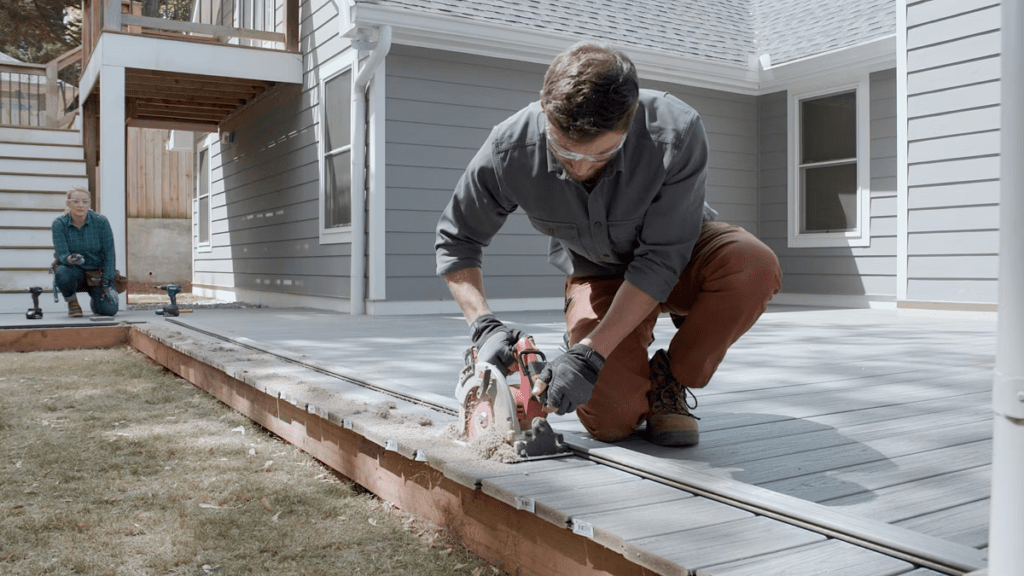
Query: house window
[[201, 196], [336, 153], [829, 190]]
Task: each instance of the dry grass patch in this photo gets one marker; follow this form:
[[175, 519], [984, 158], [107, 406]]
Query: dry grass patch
[[112, 465]]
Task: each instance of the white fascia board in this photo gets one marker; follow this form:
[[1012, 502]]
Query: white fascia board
[[184, 57], [879, 54], [485, 39], [91, 74]]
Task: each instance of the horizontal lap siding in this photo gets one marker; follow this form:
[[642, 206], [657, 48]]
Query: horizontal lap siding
[[265, 186], [440, 108], [953, 70], [857, 271]]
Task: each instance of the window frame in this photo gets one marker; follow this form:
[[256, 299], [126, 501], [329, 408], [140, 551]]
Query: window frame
[[860, 235], [330, 70], [205, 146]]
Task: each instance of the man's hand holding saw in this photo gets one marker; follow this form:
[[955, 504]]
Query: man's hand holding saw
[[495, 343], [568, 381]]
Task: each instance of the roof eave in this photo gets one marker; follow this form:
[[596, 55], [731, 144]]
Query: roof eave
[[871, 56], [484, 39]]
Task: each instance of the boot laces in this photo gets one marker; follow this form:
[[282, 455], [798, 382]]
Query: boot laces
[[667, 395]]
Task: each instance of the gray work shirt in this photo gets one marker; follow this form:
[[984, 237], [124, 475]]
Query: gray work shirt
[[640, 221]]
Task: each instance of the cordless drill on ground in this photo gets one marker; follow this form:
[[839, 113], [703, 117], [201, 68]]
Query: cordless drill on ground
[[172, 292], [35, 312]]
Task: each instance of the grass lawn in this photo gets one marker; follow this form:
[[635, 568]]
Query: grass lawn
[[109, 464]]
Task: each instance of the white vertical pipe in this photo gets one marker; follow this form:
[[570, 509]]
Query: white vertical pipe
[[1006, 527], [357, 290]]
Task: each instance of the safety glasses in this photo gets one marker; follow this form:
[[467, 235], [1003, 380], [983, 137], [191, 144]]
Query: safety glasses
[[576, 156]]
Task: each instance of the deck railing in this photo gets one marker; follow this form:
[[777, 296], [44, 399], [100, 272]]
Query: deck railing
[[43, 95], [263, 23]]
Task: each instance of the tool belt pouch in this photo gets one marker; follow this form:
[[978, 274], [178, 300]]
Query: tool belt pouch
[[95, 278], [120, 282]]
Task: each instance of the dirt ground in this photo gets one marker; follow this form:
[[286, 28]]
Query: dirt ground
[[110, 465]]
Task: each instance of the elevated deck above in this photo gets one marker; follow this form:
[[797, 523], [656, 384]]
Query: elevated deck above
[[194, 74]]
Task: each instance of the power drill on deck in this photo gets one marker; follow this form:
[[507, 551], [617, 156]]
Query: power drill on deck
[[172, 308], [35, 312]]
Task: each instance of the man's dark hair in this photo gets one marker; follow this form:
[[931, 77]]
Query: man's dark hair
[[590, 89]]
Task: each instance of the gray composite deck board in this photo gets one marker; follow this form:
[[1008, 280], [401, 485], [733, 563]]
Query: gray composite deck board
[[904, 501], [747, 538], [561, 507], [839, 482], [965, 524], [831, 557], [878, 418], [618, 529]]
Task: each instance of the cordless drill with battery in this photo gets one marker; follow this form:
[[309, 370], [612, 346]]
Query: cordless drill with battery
[[172, 292], [35, 312]]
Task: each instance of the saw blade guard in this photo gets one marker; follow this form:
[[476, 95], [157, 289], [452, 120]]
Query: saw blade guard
[[486, 404]]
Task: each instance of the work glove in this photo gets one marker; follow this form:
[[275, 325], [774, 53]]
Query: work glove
[[108, 291], [495, 343], [570, 378], [76, 259]]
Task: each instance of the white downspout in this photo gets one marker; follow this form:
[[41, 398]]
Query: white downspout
[[1006, 554], [363, 77]]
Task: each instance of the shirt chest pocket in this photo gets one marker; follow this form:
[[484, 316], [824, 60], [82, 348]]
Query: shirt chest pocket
[[625, 234], [564, 231]]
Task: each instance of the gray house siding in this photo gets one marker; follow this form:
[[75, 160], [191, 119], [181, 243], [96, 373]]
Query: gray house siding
[[855, 271], [953, 150], [265, 187], [440, 108]]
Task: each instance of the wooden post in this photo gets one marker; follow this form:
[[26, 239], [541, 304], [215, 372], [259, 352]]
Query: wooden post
[[52, 115], [90, 139], [112, 15], [291, 25], [86, 32]]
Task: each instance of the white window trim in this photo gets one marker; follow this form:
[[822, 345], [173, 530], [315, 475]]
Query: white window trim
[[338, 65], [207, 145], [861, 234]]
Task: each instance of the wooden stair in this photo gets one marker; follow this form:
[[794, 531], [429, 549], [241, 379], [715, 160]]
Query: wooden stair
[[37, 166]]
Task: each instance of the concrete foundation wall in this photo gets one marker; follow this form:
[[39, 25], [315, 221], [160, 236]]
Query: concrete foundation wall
[[160, 250]]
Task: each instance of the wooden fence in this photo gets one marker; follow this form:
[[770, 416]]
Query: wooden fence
[[159, 180]]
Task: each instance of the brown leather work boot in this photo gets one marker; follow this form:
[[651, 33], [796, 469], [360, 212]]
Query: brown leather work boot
[[74, 309], [669, 422]]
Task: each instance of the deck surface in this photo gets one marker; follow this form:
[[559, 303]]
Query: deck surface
[[869, 414]]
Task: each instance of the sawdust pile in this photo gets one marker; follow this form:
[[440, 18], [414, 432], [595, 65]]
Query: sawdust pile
[[490, 446]]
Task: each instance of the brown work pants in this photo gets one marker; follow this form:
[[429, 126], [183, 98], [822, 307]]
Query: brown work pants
[[727, 285]]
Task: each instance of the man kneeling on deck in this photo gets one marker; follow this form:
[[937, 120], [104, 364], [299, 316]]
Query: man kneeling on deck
[[615, 176]]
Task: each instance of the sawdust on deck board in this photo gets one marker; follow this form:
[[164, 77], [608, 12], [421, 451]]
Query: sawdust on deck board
[[267, 372]]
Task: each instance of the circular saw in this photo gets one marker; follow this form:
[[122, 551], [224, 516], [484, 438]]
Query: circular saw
[[490, 405]]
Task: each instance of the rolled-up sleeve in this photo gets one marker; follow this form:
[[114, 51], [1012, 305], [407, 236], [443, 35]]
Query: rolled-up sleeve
[[672, 224], [474, 215]]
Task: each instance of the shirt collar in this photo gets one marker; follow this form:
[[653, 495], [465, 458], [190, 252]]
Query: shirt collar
[[68, 221]]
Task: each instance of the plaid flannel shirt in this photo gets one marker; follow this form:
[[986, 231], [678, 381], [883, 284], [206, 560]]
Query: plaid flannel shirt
[[94, 241]]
